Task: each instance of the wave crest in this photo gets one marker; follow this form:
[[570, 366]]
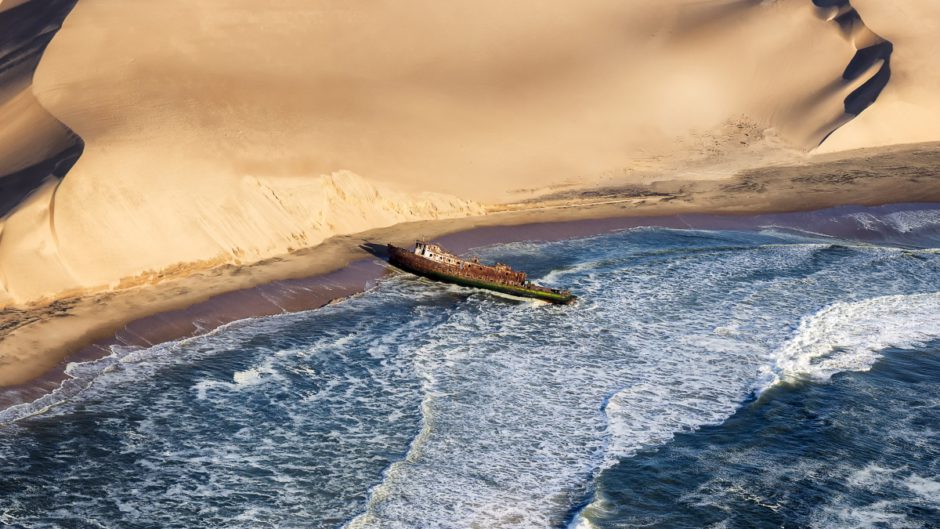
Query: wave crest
[[849, 336]]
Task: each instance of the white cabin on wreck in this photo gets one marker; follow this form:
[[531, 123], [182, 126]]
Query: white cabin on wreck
[[435, 253]]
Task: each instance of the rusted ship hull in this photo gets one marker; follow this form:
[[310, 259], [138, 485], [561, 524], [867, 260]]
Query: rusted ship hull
[[483, 277]]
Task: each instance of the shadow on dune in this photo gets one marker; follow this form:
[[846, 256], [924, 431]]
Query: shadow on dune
[[850, 22], [25, 31], [16, 187]]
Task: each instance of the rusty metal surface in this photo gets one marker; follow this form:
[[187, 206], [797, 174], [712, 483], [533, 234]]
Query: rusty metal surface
[[501, 274]]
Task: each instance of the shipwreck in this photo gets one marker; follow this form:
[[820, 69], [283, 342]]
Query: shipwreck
[[433, 262]]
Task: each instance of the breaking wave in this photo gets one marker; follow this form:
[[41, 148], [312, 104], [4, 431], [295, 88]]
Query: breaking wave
[[850, 336]]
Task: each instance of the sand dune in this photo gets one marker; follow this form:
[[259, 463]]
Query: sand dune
[[220, 131], [36, 149]]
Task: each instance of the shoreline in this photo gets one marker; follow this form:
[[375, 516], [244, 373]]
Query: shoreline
[[359, 273], [36, 343]]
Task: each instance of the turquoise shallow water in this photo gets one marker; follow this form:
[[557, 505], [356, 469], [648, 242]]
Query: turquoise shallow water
[[705, 378]]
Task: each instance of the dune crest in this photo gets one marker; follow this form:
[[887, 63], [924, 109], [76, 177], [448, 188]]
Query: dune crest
[[869, 70], [34, 145], [908, 110]]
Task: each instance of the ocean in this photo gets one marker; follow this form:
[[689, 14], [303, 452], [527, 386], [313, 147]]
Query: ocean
[[765, 377]]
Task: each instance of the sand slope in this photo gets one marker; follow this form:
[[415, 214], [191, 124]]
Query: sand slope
[[908, 111], [217, 221], [223, 131]]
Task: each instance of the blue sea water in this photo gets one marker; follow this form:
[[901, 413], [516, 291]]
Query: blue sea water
[[763, 378]]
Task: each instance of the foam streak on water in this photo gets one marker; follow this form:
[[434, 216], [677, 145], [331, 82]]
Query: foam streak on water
[[421, 405]]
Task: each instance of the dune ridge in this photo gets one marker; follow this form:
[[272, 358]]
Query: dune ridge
[[34, 145], [871, 51], [908, 109], [327, 118], [873, 54]]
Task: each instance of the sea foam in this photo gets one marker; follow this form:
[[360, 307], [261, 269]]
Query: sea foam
[[849, 336]]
